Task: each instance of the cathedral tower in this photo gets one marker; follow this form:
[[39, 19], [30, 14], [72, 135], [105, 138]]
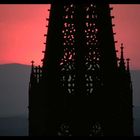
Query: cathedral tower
[[80, 90]]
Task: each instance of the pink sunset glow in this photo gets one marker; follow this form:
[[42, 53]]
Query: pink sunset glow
[[22, 29], [127, 22]]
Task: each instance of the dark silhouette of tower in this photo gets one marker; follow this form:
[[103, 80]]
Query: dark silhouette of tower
[[82, 88]]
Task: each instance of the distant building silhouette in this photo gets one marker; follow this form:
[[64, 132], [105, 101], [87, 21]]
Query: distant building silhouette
[[82, 89]]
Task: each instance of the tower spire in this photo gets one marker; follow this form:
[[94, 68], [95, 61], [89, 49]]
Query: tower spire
[[128, 69], [32, 62], [122, 57], [122, 63], [128, 60], [32, 77]]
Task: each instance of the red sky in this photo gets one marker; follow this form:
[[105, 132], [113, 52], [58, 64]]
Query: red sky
[[22, 29]]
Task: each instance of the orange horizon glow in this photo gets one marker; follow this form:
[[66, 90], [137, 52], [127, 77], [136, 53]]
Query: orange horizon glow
[[22, 29]]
